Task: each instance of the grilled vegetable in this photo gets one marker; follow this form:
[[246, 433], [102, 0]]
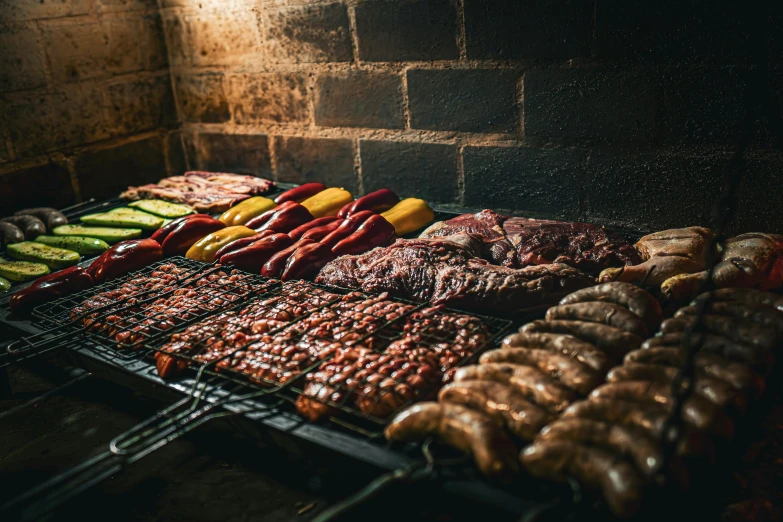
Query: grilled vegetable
[[409, 215], [241, 243], [5, 285], [300, 193], [328, 202], [347, 227], [252, 257], [110, 235], [275, 265], [22, 270], [245, 211], [82, 245], [161, 208], [136, 220], [299, 231], [378, 201], [125, 257], [50, 216], [53, 257], [262, 219], [306, 261], [187, 232], [289, 216], [30, 225], [206, 248], [318, 233], [10, 233], [51, 287], [129, 211], [163, 232], [374, 232]]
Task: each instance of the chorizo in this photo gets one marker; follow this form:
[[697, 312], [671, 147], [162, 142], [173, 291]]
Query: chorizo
[[603, 313], [614, 341], [755, 313], [743, 295], [501, 402], [568, 371], [635, 299], [580, 350], [734, 329], [758, 357], [467, 430]]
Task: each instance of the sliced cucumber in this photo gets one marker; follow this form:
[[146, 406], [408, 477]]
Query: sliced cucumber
[[53, 257], [129, 211], [110, 235], [162, 208], [86, 246], [22, 270], [5, 285], [136, 220]]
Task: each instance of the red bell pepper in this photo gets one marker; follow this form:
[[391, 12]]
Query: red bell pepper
[[163, 232], [347, 227], [378, 201], [251, 258], [296, 233], [125, 257], [275, 265], [259, 221], [241, 243], [187, 233], [374, 232], [285, 219], [306, 261], [300, 193], [318, 233], [51, 287]]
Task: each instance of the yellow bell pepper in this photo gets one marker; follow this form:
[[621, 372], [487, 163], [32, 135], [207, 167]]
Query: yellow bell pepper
[[409, 215], [327, 202], [246, 210], [205, 248]]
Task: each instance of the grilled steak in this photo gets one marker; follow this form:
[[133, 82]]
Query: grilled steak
[[446, 270]]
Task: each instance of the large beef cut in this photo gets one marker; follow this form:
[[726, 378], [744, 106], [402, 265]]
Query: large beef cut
[[519, 242], [447, 270], [210, 192]]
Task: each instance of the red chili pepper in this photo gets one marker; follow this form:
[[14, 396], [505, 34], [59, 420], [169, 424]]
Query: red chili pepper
[[241, 243], [274, 266], [285, 219], [378, 201], [296, 233], [187, 233], [251, 258], [347, 227], [125, 257], [305, 262], [261, 220], [163, 232], [318, 233], [300, 193], [374, 232], [51, 287]]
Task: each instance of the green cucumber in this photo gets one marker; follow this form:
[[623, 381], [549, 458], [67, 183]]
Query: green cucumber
[[129, 211], [5, 285], [110, 235], [86, 246], [144, 222], [162, 208], [22, 270], [53, 257]]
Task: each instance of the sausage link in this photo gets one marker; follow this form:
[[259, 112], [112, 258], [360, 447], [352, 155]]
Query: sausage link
[[614, 341], [760, 314], [735, 329], [744, 295], [580, 350], [635, 299], [603, 313], [760, 358]]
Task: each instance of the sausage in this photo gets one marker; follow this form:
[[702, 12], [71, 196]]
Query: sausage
[[570, 372], [760, 314], [537, 386], [643, 450], [635, 299], [715, 390], [10, 234], [620, 483], [30, 225], [757, 357], [734, 329], [501, 402], [614, 341], [50, 216], [604, 313], [743, 295], [738, 375], [580, 350], [697, 411], [650, 418], [467, 430]]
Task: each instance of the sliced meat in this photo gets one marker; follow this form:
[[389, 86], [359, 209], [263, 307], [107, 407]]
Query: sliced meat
[[569, 345], [635, 299], [614, 341], [604, 313]]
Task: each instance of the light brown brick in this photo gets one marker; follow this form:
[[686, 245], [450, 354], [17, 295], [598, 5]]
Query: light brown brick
[[154, 54], [124, 5], [221, 38], [21, 64], [34, 9], [176, 41], [141, 105], [30, 120], [202, 98], [277, 98]]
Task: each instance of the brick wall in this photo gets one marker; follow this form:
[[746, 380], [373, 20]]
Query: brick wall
[[86, 103]]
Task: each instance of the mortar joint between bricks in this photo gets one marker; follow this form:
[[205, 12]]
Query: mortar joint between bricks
[[353, 34], [461, 32], [406, 107]]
